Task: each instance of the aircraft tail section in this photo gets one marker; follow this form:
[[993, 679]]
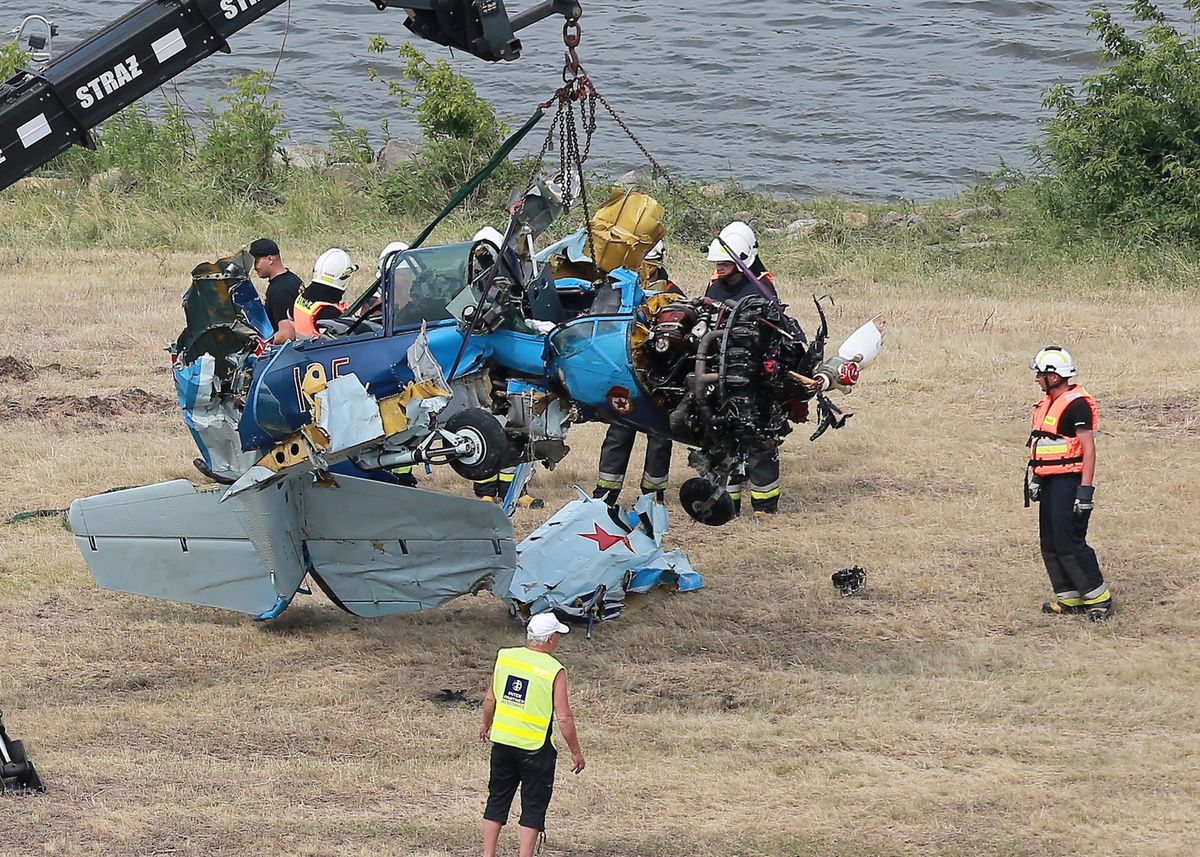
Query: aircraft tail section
[[589, 556]]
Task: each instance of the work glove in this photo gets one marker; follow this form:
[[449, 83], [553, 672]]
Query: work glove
[[1083, 500], [1035, 488]]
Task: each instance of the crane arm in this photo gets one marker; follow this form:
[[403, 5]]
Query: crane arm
[[44, 113]]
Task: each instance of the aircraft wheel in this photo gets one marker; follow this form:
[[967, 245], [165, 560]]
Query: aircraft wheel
[[705, 502], [491, 444]]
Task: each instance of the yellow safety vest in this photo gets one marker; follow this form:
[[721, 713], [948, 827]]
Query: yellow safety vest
[[523, 684]]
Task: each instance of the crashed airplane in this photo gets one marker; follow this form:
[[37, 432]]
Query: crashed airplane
[[479, 355]]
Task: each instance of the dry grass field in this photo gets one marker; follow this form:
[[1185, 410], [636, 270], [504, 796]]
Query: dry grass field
[[935, 713]]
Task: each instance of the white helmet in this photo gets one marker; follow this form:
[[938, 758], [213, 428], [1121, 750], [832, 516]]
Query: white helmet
[[741, 240], [333, 268], [1054, 359], [489, 234], [657, 252], [392, 247]]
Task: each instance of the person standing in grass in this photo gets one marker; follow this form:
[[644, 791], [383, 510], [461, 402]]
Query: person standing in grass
[[283, 287], [527, 691], [1062, 458], [728, 283], [617, 448]]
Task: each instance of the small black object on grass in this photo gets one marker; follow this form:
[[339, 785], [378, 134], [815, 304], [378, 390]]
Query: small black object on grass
[[17, 773], [849, 580]]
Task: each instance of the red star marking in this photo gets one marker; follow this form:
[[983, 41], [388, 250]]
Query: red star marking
[[606, 540]]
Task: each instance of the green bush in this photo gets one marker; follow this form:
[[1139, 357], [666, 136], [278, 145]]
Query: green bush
[[1121, 153], [238, 151], [460, 131], [348, 144], [155, 150], [12, 59]]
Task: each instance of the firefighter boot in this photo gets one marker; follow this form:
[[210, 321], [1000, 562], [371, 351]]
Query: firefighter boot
[[608, 495], [1064, 607], [1100, 610]]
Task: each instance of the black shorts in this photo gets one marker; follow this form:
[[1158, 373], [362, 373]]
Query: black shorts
[[533, 770]]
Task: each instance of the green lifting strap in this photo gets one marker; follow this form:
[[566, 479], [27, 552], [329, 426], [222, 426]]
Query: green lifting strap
[[481, 176], [463, 192]]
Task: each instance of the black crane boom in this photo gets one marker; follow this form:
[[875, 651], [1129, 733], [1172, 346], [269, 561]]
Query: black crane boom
[[44, 113]]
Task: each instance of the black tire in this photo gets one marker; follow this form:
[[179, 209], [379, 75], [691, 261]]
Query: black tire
[[16, 749], [491, 444], [705, 502]]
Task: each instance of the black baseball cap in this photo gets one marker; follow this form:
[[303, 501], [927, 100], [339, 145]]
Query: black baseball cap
[[263, 247]]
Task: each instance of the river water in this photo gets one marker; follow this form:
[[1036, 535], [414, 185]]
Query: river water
[[883, 99]]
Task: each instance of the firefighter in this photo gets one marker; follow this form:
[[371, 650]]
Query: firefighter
[[323, 296], [617, 448], [486, 245], [728, 283], [1062, 461]]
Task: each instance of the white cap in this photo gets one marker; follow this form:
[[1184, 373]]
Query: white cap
[[545, 624]]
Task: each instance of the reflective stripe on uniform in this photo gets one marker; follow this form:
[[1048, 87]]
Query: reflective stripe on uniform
[[655, 483], [1097, 595]]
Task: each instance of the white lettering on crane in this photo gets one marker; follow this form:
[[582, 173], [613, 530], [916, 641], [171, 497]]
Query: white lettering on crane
[[233, 8], [108, 82]]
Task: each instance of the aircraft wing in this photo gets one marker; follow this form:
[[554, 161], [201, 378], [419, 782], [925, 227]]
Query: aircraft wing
[[374, 548]]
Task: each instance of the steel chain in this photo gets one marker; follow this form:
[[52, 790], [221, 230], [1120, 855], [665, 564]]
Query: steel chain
[[658, 168], [578, 87]]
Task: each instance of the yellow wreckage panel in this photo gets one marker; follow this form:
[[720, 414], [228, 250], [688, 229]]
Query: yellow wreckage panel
[[625, 228], [311, 440], [393, 409]]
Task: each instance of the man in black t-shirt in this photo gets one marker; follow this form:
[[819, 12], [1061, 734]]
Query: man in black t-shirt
[[283, 287]]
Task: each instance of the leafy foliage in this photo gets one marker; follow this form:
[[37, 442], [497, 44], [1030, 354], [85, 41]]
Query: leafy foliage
[[348, 144], [153, 150], [238, 151], [12, 59], [460, 131], [1122, 151]]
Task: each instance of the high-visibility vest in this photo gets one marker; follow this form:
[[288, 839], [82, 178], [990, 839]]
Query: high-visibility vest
[[305, 313], [523, 684], [1052, 453]]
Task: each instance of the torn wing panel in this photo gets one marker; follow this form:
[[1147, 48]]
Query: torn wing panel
[[586, 558], [380, 549]]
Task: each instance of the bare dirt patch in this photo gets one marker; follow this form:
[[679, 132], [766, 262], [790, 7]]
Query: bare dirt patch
[[16, 369], [19, 370], [1181, 414], [133, 400]]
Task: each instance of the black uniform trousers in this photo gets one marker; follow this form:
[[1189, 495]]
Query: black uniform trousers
[[1070, 561], [615, 453], [762, 468]]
